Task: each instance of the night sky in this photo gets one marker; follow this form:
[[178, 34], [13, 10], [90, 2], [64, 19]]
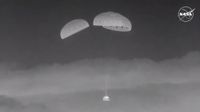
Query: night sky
[[30, 31], [153, 68]]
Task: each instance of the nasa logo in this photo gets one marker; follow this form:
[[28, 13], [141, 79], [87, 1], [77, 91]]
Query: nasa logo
[[185, 14]]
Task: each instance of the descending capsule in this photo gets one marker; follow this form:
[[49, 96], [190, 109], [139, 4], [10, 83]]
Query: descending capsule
[[73, 27], [106, 98], [113, 21]]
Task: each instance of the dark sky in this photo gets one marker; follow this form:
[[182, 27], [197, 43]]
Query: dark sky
[[29, 30]]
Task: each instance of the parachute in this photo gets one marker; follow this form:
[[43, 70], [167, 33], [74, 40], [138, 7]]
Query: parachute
[[73, 27], [113, 21]]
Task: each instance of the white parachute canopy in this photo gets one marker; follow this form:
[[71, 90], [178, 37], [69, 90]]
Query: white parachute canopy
[[73, 27], [113, 21]]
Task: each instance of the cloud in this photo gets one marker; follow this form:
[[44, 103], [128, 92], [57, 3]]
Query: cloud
[[139, 84], [9, 104]]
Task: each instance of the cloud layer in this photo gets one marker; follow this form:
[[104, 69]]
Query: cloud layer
[[134, 85]]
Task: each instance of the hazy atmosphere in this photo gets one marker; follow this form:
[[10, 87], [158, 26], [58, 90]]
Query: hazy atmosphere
[[153, 68]]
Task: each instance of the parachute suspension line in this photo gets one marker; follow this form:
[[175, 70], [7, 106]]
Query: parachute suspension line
[[109, 51], [107, 78], [106, 97]]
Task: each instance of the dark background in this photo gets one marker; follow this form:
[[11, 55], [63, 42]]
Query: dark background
[[29, 31]]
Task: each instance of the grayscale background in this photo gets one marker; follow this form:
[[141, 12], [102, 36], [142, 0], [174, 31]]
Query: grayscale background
[[153, 68]]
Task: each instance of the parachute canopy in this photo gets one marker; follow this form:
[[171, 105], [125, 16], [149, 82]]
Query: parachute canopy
[[113, 21], [73, 27]]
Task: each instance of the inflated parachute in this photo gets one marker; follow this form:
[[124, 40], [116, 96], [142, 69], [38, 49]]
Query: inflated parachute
[[73, 27], [113, 21]]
